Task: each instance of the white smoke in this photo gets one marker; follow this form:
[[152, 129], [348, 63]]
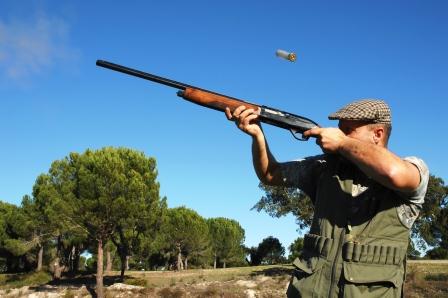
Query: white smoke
[[30, 47]]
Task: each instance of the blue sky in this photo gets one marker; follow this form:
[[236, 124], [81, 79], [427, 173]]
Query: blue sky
[[54, 100]]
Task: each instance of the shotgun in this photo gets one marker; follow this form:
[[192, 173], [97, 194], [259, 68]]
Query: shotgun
[[294, 123]]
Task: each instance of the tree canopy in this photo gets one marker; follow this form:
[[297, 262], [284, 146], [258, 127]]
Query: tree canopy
[[431, 227], [186, 234], [227, 240], [278, 201], [269, 251], [108, 199], [295, 248]]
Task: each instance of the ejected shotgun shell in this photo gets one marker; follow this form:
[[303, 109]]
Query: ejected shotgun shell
[[288, 56]]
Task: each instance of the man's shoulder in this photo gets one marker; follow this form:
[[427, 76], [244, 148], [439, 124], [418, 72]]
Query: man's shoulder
[[418, 162], [417, 196], [424, 173]]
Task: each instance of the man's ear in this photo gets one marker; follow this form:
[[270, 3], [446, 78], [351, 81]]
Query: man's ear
[[379, 135]]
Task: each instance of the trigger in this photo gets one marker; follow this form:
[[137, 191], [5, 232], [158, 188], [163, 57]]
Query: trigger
[[296, 135]]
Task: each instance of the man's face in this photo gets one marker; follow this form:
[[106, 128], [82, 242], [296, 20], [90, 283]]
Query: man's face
[[359, 130]]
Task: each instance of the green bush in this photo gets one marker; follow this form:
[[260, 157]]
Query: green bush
[[24, 279], [437, 277]]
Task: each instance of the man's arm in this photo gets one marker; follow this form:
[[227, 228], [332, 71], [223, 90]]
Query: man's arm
[[374, 160], [265, 164]]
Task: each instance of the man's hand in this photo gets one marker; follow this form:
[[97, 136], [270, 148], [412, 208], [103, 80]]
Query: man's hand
[[246, 120], [265, 165], [329, 139]]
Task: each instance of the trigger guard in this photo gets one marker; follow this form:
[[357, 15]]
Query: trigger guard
[[295, 134]]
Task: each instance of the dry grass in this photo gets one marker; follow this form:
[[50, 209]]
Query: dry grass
[[427, 279], [424, 279], [194, 276], [264, 281]]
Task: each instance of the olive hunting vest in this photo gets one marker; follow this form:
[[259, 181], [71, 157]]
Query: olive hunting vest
[[357, 244]]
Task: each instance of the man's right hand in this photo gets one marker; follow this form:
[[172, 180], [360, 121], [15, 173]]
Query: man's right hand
[[265, 165], [246, 120]]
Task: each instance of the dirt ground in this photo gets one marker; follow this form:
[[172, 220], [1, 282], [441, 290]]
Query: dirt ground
[[257, 287], [263, 281], [424, 279]]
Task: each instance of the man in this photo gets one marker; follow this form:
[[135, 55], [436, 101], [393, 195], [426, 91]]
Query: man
[[365, 201]]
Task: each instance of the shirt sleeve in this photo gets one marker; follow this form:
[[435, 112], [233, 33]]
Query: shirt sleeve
[[303, 173], [417, 196]]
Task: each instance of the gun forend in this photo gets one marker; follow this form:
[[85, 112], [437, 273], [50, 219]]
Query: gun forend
[[213, 100]]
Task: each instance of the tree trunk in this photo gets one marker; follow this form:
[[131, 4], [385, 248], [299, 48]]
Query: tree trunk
[[9, 263], [99, 271], [214, 262], [127, 262], [224, 264], [186, 263], [108, 261], [179, 258], [76, 259], [57, 269], [123, 264], [71, 260], [40, 256]]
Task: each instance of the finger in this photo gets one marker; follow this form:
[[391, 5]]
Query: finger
[[246, 113], [313, 132], [250, 119], [238, 110], [228, 113]]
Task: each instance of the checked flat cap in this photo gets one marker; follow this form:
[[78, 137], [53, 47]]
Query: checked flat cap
[[371, 110]]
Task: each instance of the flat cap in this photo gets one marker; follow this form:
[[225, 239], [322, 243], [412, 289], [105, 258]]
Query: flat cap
[[372, 110]]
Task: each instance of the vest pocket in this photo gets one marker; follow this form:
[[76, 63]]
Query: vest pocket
[[372, 280], [306, 280], [307, 265]]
